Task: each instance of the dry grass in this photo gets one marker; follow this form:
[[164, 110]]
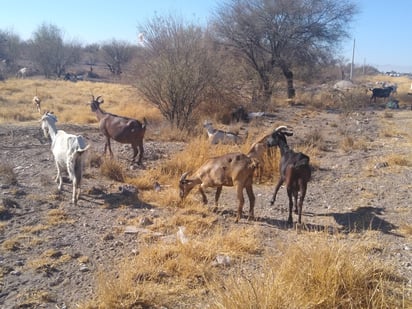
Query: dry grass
[[58, 216], [69, 101], [167, 271], [321, 273]]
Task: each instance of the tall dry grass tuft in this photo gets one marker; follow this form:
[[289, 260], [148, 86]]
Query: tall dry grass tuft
[[168, 272], [322, 273], [112, 169]]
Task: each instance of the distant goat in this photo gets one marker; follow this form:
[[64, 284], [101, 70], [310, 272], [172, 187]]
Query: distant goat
[[233, 169], [380, 93], [239, 114], [122, 129], [294, 170], [22, 73], [219, 136], [68, 150], [36, 103]]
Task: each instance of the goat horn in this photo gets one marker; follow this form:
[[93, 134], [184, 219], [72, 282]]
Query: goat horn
[[183, 177], [281, 128]]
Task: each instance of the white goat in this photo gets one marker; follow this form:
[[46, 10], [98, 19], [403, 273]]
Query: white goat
[[68, 152], [24, 72], [219, 136]]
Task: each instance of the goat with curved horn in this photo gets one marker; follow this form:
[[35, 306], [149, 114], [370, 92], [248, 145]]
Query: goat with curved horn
[[294, 170], [121, 129]]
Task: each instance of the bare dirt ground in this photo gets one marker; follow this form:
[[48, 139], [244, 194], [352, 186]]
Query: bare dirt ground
[[357, 190]]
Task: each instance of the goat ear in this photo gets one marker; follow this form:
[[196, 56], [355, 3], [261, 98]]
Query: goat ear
[[288, 133]]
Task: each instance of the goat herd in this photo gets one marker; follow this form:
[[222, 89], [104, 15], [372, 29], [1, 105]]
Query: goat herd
[[232, 169]]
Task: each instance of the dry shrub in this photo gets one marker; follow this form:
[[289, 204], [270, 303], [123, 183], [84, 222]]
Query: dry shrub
[[398, 159], [321, 273], [112, 170], [315, 139], [58, 216], [94, 159], [7, 174]]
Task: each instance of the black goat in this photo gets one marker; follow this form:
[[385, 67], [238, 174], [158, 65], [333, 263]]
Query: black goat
[[381, 93], [294, 170]]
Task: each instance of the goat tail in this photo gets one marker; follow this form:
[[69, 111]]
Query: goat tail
[[75, 163], [81, 150], [144, 125]]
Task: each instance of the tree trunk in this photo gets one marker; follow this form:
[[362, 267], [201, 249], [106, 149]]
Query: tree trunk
[[289, 81], [266, 91]]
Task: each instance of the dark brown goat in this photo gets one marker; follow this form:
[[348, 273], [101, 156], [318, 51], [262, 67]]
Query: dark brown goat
[[122, 129], [294, 170]]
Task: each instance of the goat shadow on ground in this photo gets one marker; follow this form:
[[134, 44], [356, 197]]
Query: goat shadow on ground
[[276, 223], [284, 225], [363, 219], [113, 200]]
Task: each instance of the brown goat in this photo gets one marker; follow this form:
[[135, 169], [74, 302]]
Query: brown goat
[[122, 129], [294, 170], [233, 169], [36, 103]]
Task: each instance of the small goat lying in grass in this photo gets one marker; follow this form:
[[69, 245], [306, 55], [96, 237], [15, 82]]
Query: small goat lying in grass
[[68, 150], [122, 129], [233, 169], [294, 170], [219, 136]]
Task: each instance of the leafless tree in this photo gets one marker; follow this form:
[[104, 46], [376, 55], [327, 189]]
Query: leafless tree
[[116, 54], [177, 71], [51, 54], [10, 51], [282, 34]]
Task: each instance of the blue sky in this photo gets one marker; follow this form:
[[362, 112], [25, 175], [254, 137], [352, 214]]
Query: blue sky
[[381, 30]]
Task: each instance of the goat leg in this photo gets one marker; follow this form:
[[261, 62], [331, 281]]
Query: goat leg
[[141, 151], [280, 182], [303, 187], [204, 197], [251, 195], [290, 219], [59, 177], [295, 200], [241, 199]]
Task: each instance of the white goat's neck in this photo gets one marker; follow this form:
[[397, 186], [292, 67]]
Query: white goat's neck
[[51, 125]]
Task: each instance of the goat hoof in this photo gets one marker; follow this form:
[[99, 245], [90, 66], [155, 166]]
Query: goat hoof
[[272, 202]]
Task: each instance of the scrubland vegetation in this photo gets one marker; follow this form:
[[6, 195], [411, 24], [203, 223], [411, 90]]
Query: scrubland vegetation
[[223, 266]]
